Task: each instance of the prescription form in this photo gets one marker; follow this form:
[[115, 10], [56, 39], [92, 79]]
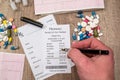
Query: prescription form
[[53, 6], [45, 50]]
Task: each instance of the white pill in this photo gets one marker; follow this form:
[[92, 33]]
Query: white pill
[[97, 16], [1, 36], [78, 23], [17, 1], [78, 38], [13, 5], [83, 18], [91, 31], [93, 25], [100, 34], [10, 23], [89, 18], [75, 30], [96, 21], [0, 39], [83, 24], [88, 28], [25, 2], [80, 33], [5, 38], [1, 19]]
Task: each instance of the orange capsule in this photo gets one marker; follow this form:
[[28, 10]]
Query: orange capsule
[[11, 19]]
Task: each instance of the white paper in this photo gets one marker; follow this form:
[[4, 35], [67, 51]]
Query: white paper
[[49, 43], [55, 38], [29, 49]]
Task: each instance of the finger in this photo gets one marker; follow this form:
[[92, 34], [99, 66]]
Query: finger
[[77, 57]]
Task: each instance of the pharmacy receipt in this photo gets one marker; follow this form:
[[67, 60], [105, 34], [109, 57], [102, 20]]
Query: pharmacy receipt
[[54, 39]]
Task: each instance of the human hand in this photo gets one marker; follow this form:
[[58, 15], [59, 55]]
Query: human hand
[[99, 67]]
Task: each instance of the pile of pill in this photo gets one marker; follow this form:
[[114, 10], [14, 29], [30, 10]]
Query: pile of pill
[[88, 27], [6, 29]]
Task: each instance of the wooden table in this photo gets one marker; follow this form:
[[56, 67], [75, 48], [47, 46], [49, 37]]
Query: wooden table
[[109, 22]]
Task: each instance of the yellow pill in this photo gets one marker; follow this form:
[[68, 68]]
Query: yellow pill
[[10, 40], [4, 22], [15, 30]]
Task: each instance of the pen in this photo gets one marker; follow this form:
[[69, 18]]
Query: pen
[[30, 21], [91, 51]]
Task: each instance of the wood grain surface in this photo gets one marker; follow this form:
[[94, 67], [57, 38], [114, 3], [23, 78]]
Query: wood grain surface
[[109, 22]]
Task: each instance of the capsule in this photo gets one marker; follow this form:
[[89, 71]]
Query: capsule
[[9, 33], [10, 40], [14, 47], [16, 31], [74, 37], [95, 33], [5, 44]]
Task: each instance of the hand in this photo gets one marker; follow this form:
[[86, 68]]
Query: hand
[[99, 67]]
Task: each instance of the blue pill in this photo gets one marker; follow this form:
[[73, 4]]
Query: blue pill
[[74, 37], [93, 13]]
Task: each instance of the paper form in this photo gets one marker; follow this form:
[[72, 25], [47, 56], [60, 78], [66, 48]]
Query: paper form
[[49, 43], [52, 6], [26, 30], [11, 66]]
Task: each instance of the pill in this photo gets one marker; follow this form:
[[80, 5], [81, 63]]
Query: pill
[[17, 1], [78, 38], [83, 29], [95, 33], [89, 18], [13, 26], [15, 31], [93, 13], [100, 34], [88, 28], [13, 5], [9, 33], [80, 12], [86, 20], [79, 27], [9, 27], [83, 24], [11, 19], [96, 21], [25, 2], [97, 16], [78, 23], [75, 30], [74, 36], [10, 40], [5, 38], [80, 32], [5, 44], [14, 47]]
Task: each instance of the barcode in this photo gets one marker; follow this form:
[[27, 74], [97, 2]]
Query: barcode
[[56, 67]]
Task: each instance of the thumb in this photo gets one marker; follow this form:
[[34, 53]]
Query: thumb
[[77, 57]]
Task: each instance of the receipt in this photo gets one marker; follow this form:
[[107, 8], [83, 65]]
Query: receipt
[[55, 38]]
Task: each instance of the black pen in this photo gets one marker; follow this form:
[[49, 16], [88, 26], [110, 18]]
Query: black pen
[[91, 51], [30, 21]]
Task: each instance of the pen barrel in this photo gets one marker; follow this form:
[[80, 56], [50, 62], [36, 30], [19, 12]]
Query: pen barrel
[[96, 52], [31, 21]]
